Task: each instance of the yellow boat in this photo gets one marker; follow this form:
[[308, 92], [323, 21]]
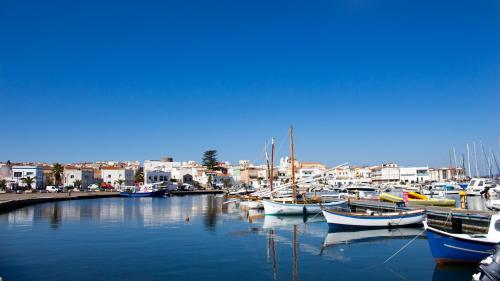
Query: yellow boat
[[390, 198], [433, 202], [424, 201], [414, 195]]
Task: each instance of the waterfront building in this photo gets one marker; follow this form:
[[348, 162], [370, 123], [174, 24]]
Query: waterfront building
[[157, 176], [73, 173], [388, 172], [414, 174], [114, 174], [20, 172]]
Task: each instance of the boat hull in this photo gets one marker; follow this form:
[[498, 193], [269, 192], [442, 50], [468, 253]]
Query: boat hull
[[278, 208], [158, 193], [341, 220], [449, 249], [251, 205]]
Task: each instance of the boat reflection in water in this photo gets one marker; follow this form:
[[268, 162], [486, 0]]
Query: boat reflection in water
[[288, 221], [445, 272], [346, 237]]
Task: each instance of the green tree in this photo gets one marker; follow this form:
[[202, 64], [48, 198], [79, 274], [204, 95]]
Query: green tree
[[57, 170], [77, 183], [28, 181], [139, 176], [119, 182], [209, 159], [3, 184]]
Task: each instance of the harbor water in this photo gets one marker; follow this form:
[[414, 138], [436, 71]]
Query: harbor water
[[200, 238]]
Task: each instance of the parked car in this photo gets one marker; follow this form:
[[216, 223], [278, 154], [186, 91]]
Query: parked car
[[52, 188]]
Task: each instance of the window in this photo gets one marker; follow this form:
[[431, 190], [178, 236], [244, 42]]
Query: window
[[29, 173], [497, 225], [480, 183], [18, 174], [72, 176]]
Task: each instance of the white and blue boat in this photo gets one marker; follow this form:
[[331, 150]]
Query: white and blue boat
[[147, 190], [290, 208], [463, 248], [348, 220]]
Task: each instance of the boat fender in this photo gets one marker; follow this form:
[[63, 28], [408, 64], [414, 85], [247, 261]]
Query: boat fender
[[370, 212], [304, 210]]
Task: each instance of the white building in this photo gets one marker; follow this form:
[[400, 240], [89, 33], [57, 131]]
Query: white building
[[414, 174], [72, 174], [112, 175], [20, 172], [385, 173], [156, 176]]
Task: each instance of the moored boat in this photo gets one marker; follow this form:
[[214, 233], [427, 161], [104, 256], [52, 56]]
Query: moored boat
[[290, 208], [493, 204], [132, 193], [449, 247], [370, 219]]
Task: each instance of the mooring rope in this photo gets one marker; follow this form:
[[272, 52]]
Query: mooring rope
[[402, 248]]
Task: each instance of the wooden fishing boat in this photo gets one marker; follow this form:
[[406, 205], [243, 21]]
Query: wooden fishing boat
[[370, 219], [284, 208], [449, 247], [292, 206]]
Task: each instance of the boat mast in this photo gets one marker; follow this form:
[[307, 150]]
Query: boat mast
[[468, 161], [272, 166], [294, 194], [475, 158], [486, 159], [267, 161]]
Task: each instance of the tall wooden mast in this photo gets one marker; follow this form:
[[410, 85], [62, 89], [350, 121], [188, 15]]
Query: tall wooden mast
[[272, 166], [294, 193]]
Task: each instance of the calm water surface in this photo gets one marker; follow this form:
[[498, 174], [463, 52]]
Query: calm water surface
[[199, 238]]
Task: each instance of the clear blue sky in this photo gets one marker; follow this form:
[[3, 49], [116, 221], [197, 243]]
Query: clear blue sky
[[361, 81]]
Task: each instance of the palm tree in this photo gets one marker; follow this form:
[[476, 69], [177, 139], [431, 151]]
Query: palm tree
[[77, 183], [28, 181], [119, 182], [57, 170]]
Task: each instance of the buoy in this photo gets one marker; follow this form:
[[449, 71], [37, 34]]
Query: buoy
[[187, 219]]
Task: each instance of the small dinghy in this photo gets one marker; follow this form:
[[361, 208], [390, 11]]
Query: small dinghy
[[449, 247], [370, 219], [493, 204]]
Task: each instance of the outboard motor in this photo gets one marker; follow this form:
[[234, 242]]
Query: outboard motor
[[489, 268]]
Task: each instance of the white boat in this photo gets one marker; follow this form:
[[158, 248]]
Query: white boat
[[493, 204], [285, 208], [477, 185], [345, 237], [284, 221], [370, 219], [251, 204]]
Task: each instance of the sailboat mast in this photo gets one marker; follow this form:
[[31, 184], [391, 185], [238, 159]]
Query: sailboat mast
[[294, 194], [272, 165], [468, 161], [475, 158]]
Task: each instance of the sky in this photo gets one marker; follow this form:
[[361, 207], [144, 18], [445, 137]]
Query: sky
[[361, 81]]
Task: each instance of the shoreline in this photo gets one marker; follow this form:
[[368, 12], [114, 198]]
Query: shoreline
[[11, 201]]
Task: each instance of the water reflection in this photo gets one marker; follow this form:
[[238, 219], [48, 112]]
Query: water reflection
[[144, 212], [347, 237], [453, 272]]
